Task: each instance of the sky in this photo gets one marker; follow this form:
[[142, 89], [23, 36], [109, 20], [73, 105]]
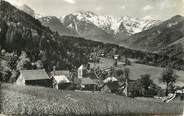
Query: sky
[[157, 9]]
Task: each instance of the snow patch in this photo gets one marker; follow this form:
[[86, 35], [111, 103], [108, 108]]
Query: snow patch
[[112, 24]]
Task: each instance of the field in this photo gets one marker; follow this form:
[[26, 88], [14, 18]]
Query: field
[[39, 101], [139, 69]]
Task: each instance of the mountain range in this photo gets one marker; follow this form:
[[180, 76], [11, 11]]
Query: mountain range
[[165, 38], [91, 26], [150, 35]]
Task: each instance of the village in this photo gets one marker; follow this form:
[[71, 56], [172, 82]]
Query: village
[[91, 58], [112, 76]]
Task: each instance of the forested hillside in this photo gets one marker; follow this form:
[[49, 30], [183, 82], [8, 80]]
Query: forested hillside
[[26, 44]]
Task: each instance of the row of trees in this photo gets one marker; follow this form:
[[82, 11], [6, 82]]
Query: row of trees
[[145, 86]]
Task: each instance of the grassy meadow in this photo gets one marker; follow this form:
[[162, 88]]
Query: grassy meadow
[[140, 69], [29, 100]]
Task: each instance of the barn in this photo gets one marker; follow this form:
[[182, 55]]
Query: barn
[[34, 78], [88, 84], [111, 87], [61, 79]]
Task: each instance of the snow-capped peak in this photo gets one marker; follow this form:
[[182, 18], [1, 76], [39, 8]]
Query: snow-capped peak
[[84, 13], [136, 25], [148, 18], [104, 22], [112, 24]]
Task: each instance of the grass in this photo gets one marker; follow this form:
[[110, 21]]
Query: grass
[[139, 69], [40, 101]]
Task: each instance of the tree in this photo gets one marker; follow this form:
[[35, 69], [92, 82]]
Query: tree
[[11, 59], [115, 63], [144, 86], [126, 73], [14, 75], [119, 73], [127, 61], [39, 64], [145, 83], [111, 71], [5, 71], [3, 52], [24, 61], [169, 77]]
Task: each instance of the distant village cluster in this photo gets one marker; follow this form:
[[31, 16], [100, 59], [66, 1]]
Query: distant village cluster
[[84, 77], [115, 79]]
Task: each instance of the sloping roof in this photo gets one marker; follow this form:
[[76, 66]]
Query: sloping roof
[[61, 79], [87, 81], [91, 75], [112, 85], [34, 74], [110, 79], [82, 67]]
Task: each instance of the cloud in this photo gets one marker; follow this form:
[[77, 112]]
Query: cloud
[[123, 7], [167, 4], [99, 8], [147, 8], [70, 1]]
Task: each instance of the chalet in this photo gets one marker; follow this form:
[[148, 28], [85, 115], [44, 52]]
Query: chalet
[[34, 78], [179, 92], [102, 55], [110, 79], [88, 84], [88, 79], [112, 87], [61, 79], [116, 57]]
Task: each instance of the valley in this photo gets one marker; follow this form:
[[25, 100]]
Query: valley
[[83, 63]]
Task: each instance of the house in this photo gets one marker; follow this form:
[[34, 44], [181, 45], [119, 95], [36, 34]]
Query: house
[[61, 79], [179, 92], [116, 57], [105, 89], [112, 87], [91, 75], [88, 79], [130, 89], [88, 84], [110, 79], [34, 78]]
